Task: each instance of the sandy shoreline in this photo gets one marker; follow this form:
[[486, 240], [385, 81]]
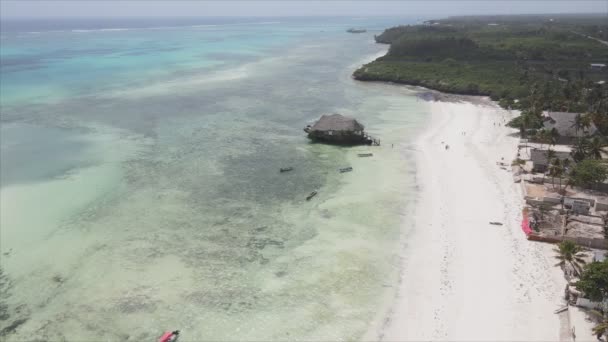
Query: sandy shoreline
[[462, 278]]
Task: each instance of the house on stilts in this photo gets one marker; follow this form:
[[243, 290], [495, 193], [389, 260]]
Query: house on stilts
[[340, 130]]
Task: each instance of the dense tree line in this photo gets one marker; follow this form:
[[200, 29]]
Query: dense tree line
[[531, 63]]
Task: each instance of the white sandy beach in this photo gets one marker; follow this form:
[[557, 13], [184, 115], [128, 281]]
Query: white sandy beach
[[462, 278]]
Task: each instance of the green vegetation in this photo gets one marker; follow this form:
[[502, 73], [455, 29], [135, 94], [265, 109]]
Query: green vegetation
[[558, 169], [570, 253], [528, 122], [588, 173], [594, 284], [601, 328], [531, 63], [588, 148], [596, 146], [594, 281]]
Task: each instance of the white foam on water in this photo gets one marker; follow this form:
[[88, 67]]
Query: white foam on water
[[188, 84]]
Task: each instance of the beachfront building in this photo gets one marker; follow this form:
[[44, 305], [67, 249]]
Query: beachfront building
[[564, 123], [598, 66], [540, 162], [338, 129]]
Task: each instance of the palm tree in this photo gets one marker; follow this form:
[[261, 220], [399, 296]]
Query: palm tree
[[601, 328], [554, 136], [555, 168], [578, 123], [570, 253], [565, 171], [597, 113], [544, 137], [550, 154], [586, 122], [579, 149], [595, 147], [526, 122]]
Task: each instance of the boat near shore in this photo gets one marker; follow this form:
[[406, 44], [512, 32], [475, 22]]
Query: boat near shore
[[354, 30], [311, 195]]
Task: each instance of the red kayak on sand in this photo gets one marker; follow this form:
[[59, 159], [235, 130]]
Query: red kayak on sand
[[169, 336]]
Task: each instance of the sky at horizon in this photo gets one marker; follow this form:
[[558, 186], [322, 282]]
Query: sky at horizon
[[250, 8]]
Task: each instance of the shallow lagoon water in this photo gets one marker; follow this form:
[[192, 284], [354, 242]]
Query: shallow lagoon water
[[163, 207]]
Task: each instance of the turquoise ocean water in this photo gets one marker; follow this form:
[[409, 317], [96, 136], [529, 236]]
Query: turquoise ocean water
[[140, 189]]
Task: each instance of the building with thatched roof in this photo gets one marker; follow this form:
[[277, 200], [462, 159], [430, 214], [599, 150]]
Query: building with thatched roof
[[338, 129], [565, 124], [541, 161]]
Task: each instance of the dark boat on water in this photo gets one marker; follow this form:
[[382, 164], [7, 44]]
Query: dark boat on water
[[312, 194], [365, 154], [354, 30], [286, 169], [346, 169]]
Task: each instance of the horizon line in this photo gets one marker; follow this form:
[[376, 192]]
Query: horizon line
[[305, 16]]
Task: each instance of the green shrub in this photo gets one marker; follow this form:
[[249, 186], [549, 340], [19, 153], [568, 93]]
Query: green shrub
[[588, 173]]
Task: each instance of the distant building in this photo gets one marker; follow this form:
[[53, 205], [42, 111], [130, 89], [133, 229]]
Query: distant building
[[338, 129], [540, 163], [597, 66], [563, 122]]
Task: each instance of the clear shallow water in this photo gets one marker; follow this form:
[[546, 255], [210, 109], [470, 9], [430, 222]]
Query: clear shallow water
[[140, 187]]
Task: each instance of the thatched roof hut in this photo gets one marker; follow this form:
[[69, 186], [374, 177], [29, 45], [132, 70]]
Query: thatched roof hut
[[338, 129], [564, 123], [337, 122]]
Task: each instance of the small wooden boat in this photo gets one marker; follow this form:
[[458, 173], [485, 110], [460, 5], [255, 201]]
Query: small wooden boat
[[365, 154], [346, 169], [562, 309], [169, 336], [312, 194], [496, 223], [286, 169]]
